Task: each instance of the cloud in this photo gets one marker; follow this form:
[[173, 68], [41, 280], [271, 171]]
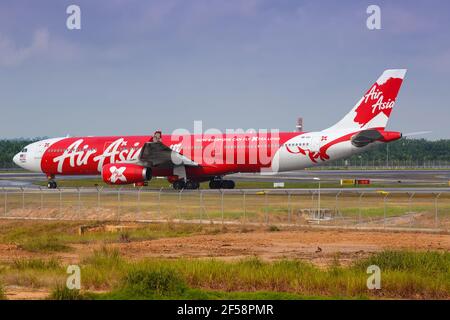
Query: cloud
[[12, 55]]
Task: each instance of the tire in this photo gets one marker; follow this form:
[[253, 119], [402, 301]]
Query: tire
[[51, 185], [178, 185], [192, 185], [228, 184], [215, 184]]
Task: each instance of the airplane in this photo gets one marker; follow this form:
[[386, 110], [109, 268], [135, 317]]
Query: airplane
[[186, 160]]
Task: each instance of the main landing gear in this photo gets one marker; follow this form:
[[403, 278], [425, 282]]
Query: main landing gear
[[221, 184], [51, 184], [216, 183], [189, 184]]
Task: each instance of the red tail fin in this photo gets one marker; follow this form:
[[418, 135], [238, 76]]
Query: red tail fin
[[375, 107]]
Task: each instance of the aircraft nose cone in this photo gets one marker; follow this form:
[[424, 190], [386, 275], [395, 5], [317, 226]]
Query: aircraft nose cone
[[16, 160]]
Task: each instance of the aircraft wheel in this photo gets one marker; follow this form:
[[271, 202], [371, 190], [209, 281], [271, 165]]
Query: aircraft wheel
[[179, 184], [52, 184], [228, 184], [215, 184], [192, 185]]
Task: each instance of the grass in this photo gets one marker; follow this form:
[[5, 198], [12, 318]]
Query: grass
[[32, 273], [199, 294], [252, 277], [273, 228], [105, 258], [63, 293], [424, 263], [44, 244], [35, 237], [404, 274], [161, 281], [47, 237], [414, 274], [2, 293], [36, 264], [259, 207]]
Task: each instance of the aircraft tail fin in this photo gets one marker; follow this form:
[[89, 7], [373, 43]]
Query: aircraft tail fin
[[375, 106]]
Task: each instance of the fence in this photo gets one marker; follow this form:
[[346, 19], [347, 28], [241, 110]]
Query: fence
[[340, 208], [384, 164]]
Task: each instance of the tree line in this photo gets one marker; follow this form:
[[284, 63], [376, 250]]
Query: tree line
[[8, 148], [414, 150], [417, 151]]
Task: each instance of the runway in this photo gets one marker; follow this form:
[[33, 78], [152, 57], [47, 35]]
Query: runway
[[384, 176], [27, 179], [390, 177]]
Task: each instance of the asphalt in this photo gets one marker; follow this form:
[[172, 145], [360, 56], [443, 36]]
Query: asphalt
[[389, 177]]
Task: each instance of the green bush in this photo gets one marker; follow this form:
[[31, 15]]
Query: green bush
[[160, 281], [105, 257], [61, 292], [36, 264], [44, 244], [424, 263]]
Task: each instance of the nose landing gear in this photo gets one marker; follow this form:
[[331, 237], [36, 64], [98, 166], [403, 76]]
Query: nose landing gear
[[51, 184]]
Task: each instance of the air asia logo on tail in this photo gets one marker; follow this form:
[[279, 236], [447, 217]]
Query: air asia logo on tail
[[380, 98]]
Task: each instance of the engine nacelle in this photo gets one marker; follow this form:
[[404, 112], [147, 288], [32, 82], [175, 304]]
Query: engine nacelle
[[365, 137], [389, 136], [125, 173]]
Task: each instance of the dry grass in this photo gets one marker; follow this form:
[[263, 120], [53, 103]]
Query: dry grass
[[411, 280], [410, 275]]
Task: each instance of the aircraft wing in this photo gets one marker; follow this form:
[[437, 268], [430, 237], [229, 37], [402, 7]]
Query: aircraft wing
[[157, 154]]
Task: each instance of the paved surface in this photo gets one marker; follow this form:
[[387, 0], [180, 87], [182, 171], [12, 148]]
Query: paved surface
[[394, 177], [27, 179], [387, 176]]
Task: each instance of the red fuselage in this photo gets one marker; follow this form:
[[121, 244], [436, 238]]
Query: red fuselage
[[215, 155]]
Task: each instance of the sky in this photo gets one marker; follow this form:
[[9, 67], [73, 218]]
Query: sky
[[138, 66]]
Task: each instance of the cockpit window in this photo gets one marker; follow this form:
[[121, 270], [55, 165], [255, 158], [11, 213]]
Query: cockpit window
[[24, 150]]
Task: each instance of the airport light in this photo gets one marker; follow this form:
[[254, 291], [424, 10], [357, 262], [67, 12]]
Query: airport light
[[318, 198]]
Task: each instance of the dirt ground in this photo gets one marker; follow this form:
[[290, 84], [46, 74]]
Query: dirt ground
[[317, 246], [22, 293]]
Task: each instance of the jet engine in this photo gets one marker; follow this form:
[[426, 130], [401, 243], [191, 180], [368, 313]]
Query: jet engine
[[365, 137], [125, 173]]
